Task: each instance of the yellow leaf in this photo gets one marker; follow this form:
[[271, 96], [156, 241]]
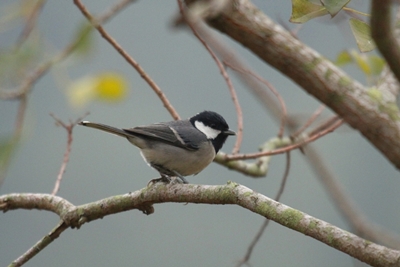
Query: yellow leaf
[[362, 62], [108, 86], [343, 58], [111, 87]]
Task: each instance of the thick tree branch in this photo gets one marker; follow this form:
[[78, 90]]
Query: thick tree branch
[[318, 76], [383, 34], [231, 193], [387, 83]]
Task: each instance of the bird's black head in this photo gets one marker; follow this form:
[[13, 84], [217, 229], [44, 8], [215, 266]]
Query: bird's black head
[[213, 126]]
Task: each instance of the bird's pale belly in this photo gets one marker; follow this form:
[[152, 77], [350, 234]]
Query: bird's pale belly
[[185, 162]]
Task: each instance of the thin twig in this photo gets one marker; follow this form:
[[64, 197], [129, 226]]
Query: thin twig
[[327, 124], [19, 121], [40, 245], [113, 10], [313, 117], [128, 58], [196, 28], [312, 138], [260, 232], [68, 127], [271, 88], [30, 22]]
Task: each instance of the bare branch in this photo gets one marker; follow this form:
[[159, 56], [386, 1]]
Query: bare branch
[[272, 89], [128, 58], [322, 130], [309, 121], [19, 122], [114, 10], [231, 193], [40, 245], [197, 27], [68, 128], [30, 22], [259, 167]]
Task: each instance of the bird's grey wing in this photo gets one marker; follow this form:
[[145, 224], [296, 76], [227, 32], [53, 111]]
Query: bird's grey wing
[[162, 132]]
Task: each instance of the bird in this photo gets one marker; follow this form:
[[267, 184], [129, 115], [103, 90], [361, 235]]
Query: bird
[[176, 148]]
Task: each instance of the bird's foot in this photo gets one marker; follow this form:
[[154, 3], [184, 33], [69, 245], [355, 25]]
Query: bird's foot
[[163, 178], [166, 179]]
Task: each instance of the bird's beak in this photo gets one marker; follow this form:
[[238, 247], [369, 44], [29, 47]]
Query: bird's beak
[[229, 132]]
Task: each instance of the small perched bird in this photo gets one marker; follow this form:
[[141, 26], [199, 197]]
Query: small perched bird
[[176, 148]]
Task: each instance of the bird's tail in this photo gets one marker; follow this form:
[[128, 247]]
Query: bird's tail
[[106, 128]]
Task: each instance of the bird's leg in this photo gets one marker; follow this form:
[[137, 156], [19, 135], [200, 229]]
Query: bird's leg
[[184, 181]]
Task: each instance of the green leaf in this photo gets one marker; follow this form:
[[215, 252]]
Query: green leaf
[[84, 39], [362, 33], [304, 10], [334, 6], [362, 62]]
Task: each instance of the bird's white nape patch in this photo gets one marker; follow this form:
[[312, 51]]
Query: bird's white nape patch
[[207, 130]]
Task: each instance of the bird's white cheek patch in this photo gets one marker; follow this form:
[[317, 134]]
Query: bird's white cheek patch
[[208, 131]]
